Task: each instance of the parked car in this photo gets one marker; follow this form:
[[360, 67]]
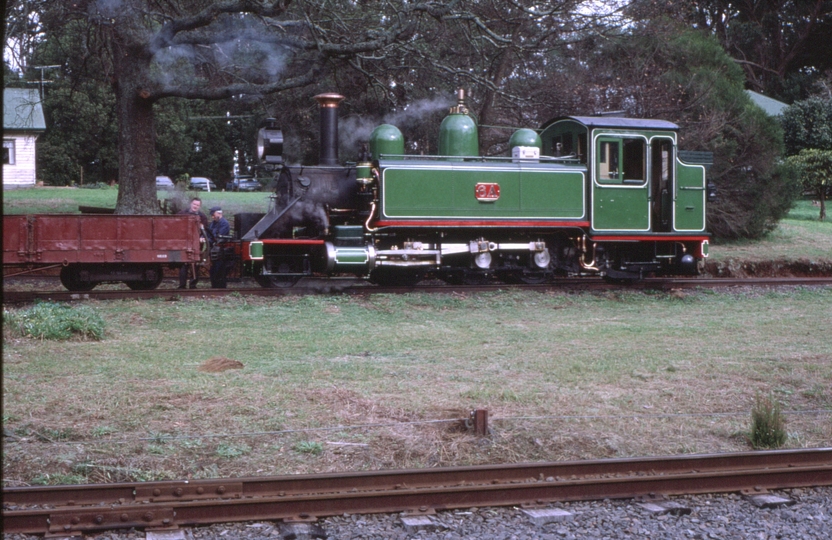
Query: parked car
[[200, 183], [244, 183], [164, 182]]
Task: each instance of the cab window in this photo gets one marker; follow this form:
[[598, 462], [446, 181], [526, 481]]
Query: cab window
[[621, 161]]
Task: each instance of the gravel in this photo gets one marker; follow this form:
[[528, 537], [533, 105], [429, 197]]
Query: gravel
[[730, 516]]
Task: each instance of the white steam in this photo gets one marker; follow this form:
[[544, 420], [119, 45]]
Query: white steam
[[354, 131]]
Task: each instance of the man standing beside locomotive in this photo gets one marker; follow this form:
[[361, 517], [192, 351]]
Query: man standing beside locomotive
[[218, 228], [193, 209]]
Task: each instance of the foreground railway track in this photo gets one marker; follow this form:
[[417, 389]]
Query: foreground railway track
[[359, 287], [155, 505]]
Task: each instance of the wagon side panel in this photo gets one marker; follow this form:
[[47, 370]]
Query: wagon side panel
[[178, 237], [16, 247], [56, 238], [100, 239]]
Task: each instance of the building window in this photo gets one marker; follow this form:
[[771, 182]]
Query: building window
[[8, 152]]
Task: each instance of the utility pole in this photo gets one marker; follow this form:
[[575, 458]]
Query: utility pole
[[42, 80]]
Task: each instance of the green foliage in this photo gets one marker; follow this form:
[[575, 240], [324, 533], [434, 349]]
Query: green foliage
[[56, 321], [309, 447], [754, 192], [58, 479], [815, 166], [807, 124], [230, 451], [768, 428], [102, 431], [80, 145], [96, 185]]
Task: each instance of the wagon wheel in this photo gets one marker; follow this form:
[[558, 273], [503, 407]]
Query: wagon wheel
[[71, 280], [154, 276]]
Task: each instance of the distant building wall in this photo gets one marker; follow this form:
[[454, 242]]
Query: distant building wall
[[23, 122], [19, 160]]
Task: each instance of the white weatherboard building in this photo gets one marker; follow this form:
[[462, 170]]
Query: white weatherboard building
[[23, 122]]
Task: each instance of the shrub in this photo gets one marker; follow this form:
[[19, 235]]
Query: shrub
[[768, 428], [56, 321]]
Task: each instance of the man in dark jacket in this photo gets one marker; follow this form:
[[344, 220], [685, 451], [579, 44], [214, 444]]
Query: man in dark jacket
[[193, 209], [218, 229]]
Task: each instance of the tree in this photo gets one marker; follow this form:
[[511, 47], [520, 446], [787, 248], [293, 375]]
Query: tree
[[807, 133], [662, 69], [79, 144], [200, 49], [816, 169], [22, 31], [782, 46], [807, 124]]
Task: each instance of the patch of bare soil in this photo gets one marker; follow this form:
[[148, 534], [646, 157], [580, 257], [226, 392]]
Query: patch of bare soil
[[218, 364], [775, 268]]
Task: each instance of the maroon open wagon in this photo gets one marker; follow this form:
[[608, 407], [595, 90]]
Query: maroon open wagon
[[97, 248]]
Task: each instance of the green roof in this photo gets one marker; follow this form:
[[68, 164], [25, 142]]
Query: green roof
[[770, 105], [22, 110]]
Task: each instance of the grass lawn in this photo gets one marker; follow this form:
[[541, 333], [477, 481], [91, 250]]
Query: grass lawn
[[66, 200], [800, 236], [353, 383]]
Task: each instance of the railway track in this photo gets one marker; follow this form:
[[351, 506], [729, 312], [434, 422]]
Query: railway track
[[64, 510], [358, 287]]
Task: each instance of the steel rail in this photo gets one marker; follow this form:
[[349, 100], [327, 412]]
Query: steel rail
[[63, 509], [361, 288]]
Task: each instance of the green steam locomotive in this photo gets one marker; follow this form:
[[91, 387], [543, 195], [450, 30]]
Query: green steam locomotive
[[582, 196]]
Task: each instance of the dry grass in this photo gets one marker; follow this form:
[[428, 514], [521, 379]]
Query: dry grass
[[219, 364], [245, 386]]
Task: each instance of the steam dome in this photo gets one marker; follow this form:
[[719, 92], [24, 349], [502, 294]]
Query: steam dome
[[386, 139], [525, 137]]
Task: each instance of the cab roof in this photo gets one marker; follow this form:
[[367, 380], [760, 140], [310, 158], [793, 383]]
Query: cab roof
[[616, 122]]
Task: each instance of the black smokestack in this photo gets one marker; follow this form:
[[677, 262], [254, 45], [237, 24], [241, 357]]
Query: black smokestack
[[329, 127]]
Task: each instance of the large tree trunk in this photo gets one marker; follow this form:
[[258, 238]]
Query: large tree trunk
[[136, 135]]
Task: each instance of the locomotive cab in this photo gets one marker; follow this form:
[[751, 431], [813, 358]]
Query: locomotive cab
[[647, 206]]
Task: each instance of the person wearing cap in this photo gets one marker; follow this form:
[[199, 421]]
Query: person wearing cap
[[193, 209], [218, 228]]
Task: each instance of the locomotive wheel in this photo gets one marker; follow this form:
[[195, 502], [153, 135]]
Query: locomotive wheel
[[387, 277], [70, 280], [277, 282], [533, 278], [619, 280], [527, 278], [463, 276]]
